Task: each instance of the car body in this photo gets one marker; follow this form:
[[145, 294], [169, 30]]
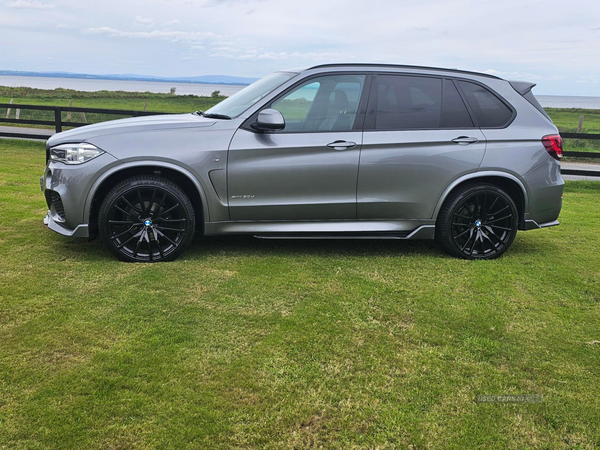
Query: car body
[[363, 151]]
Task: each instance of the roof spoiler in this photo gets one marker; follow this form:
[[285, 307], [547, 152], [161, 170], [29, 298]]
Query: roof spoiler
[[522, 87]]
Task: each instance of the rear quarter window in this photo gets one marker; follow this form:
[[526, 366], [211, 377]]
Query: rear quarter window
[[488, 109]]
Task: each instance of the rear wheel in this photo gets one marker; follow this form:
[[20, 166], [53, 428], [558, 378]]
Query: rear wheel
[[478, 221], [146, 219]]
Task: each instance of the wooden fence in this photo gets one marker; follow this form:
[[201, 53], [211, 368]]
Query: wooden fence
[[56, 119]]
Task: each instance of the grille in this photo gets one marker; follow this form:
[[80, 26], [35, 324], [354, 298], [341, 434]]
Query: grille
[[57, 204]]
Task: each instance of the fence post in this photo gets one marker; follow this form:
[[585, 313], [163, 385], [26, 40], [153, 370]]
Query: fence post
[[57, 120], [69, 112], [8, 110], [17, 113], [580, 125], [83, 117]]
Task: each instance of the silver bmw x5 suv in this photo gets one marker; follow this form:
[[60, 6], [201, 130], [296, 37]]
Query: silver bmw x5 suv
[[332, 151]]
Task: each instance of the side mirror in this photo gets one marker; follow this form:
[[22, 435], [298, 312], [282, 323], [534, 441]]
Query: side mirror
[[269, 120]]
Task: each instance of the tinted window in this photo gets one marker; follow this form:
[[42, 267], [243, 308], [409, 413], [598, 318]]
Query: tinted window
[[455, 114], [489, 110], [405, 102], [327, 103]]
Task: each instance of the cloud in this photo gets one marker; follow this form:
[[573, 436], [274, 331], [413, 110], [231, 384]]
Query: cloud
[[174, 36], [146, 21], [26, 4], [255, 37], [514, 75], [254, 55]]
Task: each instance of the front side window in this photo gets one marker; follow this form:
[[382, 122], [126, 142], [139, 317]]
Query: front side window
[[488, 109], [242, 100], [327, 103]]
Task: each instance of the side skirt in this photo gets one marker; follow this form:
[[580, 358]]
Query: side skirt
[[345, 229]]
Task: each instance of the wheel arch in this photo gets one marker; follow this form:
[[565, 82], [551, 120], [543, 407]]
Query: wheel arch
[[510, 183], [178, 175]]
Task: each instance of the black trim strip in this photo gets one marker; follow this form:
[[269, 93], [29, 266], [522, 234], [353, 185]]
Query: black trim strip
[[583, 173]]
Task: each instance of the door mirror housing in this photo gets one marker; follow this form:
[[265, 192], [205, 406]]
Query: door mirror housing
[[269, 120]]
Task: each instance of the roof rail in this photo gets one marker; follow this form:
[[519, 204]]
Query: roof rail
[[405, 67]]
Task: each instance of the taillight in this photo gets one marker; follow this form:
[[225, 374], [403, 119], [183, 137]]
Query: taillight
[[553, 144]]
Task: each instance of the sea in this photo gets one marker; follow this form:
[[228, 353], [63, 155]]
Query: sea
[[91, 85]]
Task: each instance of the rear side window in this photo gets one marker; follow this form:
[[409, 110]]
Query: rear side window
[[405, 102], [488, 109], [412, 103]]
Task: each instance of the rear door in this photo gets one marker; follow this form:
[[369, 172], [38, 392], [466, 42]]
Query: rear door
[[419, 137], [309, 170]]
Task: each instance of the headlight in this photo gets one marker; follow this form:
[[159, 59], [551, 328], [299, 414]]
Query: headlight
[[74, 153]]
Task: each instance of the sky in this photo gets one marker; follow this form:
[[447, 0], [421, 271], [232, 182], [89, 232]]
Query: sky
[[555, 44]]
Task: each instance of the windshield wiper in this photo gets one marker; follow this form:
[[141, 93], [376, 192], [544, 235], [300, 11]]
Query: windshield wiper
[[216, 116], [211, 116]]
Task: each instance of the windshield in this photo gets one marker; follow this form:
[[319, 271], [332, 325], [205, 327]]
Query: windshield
[[240, 101]]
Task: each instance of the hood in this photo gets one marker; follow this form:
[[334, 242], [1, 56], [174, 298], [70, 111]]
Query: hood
[[146, 123]]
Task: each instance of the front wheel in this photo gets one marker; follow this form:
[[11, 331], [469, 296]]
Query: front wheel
[[478, 221], [146, 219]]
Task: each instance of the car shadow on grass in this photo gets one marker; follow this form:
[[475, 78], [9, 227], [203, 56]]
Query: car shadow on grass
[[246, 245], [240, 246]]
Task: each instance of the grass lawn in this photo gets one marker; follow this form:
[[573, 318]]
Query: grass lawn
[[246, 343], [106, 99]]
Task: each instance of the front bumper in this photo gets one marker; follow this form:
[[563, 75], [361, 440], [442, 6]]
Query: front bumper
[[67, 188], [81, 230]]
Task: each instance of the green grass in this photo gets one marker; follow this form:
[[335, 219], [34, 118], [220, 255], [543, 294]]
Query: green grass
[[567, 120], [247, 343], [107, 99]]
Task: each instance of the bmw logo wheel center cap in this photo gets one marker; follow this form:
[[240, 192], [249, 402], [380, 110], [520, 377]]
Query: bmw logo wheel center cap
[[147, 222], [478, 223]]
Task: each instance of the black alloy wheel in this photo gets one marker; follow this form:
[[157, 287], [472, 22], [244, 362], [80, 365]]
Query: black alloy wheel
[[477, 222], [146, 219]]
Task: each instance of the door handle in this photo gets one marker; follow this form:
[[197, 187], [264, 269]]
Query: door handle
[[341, 145], [465, 140]]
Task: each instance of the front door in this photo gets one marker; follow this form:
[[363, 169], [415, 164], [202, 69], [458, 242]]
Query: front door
[[308, 170]]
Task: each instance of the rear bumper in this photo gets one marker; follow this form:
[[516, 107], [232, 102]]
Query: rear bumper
[[545, 188], [80, 230]]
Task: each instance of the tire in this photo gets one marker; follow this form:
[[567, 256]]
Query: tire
[[477, 221], [146, 219]]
